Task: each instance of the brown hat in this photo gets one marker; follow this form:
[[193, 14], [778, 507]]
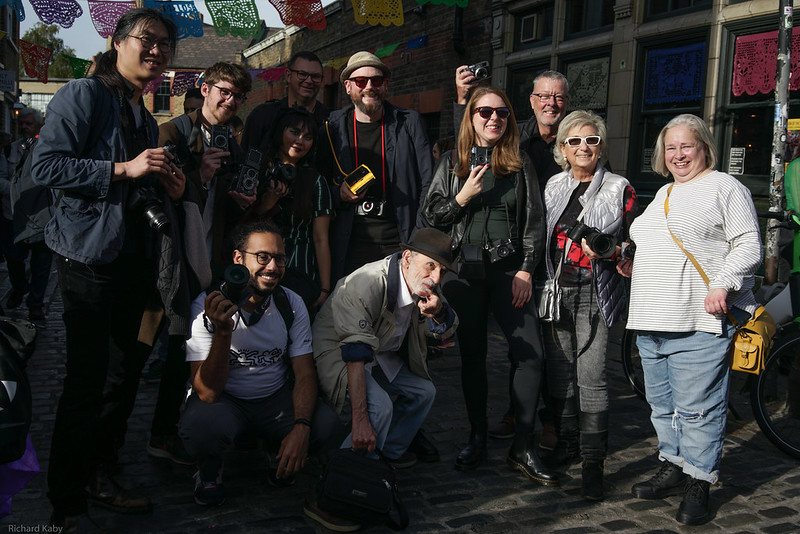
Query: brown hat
[[363, 59], [432, 243]]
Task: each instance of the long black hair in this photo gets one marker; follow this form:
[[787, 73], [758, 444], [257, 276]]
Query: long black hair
[[305, 174], [106, 66]]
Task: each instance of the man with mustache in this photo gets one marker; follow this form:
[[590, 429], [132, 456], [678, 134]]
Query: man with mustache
[[392, 142], [241, 355], [370, 345]]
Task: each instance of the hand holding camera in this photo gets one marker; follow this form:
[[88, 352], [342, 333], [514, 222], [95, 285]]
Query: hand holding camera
[[467, 76], [473, 186]]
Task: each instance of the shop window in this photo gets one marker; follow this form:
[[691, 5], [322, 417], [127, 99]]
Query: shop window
[[534, 28], [161, 98], [671, 81], [660, 8], [588, 16]]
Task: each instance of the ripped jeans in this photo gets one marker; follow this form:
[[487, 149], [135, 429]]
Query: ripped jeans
[[686, 378]]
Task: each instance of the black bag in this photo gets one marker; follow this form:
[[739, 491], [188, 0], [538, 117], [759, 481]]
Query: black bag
[[362, 489], [16, 407], [469, 262]]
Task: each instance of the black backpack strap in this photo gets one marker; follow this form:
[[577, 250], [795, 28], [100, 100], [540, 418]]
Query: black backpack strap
[[281, 300]]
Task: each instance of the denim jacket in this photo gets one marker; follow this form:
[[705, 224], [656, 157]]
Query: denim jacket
[[75, 153]]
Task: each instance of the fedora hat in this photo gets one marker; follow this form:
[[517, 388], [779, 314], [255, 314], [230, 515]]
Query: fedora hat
[[363, 59], [432, 243]]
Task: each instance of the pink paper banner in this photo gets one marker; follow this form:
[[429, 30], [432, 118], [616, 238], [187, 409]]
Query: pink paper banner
[[755, 63], [271, 75], [152, 87]]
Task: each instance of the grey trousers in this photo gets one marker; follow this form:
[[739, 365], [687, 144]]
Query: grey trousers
[[575, 350]]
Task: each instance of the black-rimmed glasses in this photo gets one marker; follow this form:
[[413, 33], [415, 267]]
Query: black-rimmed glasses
[[227, 93], [303, 75], [264, 258], [165, 47], [544, 98]]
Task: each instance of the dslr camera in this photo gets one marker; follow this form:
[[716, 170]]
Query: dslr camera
[[479, 156], [145, 200], [235, 284], [499, 249], [246, 180], [603, 244], [480, 70], [284, 173], [628, 250], [373, 208], [179, 153]]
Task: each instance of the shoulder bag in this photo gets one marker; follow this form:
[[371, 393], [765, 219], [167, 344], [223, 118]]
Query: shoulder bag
[[753, 340]]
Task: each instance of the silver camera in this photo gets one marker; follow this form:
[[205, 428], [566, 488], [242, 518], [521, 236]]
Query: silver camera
[[480, 70], [373, 208]]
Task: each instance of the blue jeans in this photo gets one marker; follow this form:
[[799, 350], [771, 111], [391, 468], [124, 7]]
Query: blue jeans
[[397, 421], [686, 378]]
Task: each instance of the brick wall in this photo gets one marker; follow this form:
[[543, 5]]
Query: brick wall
[[422, 79]]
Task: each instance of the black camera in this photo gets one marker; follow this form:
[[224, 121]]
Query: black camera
[[246, 180], [604, 245], [284, 173], [628, 250], [479, 156], [499, 249], [220, 138], [480, 70], [373, 208], [235, 284], [180, 153], [145, 200]]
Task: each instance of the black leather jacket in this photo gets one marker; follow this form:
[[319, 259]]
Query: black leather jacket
[[443, 212]]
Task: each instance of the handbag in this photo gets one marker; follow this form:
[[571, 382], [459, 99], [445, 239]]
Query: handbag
[[361, 488], [469, 262], [753, 340]]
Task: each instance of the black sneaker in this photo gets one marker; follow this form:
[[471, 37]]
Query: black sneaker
[[694, 507], [327, 520], [404, 461], [169, 447], [208, 493], [668, 480]]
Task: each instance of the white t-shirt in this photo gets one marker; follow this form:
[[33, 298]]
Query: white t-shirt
[[257, 366]]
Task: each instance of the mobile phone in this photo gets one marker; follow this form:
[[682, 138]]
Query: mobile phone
[[358, 179]]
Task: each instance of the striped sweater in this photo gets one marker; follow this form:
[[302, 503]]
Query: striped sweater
[[715, 219]]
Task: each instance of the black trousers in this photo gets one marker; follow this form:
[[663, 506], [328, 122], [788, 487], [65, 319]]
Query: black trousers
[[103, 307], [473, 300]]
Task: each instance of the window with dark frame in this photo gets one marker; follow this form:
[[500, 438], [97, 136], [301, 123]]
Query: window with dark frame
[[534, 28], [520, 86], [660, 8], [588, 16]]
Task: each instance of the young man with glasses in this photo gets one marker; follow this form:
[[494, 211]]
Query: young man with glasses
[[242, 355], [303, 83]]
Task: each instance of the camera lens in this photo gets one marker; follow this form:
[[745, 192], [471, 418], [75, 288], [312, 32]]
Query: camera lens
[[603, 244], [503, 251]]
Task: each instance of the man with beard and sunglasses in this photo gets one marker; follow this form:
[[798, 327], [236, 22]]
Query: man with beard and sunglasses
[[393, 144], [242, 355]]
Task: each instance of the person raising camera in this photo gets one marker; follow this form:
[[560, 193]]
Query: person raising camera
[[486, 195], [97, 152], [296, 197]]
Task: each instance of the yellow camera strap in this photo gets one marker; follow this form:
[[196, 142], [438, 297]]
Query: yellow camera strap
[[333, 151]]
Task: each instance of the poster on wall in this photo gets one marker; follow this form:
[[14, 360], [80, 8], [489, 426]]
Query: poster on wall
[[8, 81], [675, 74], [588, 83]]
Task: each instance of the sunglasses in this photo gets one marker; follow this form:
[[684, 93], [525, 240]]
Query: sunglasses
[[361, 81], [486, 112], [591, 140]]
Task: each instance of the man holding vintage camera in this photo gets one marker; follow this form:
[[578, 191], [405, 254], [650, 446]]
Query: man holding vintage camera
[[247, 339], [392, 143], [213, 157]]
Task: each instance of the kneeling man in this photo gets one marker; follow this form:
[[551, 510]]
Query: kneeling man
[[242, 356], [370, 343]]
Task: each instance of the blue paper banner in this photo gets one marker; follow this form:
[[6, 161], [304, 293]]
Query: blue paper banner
[[675, 74]]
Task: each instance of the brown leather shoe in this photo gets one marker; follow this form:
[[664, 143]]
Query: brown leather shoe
[[104, 491]]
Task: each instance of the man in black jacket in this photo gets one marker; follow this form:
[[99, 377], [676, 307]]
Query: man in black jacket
[[392, 142]]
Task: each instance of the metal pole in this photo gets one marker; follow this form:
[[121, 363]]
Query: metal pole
[[776, 191]]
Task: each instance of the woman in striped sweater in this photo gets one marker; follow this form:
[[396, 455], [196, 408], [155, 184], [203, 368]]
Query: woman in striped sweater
[[684, 334]]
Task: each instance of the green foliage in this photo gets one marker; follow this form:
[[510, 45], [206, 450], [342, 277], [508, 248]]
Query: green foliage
[[47, 36]]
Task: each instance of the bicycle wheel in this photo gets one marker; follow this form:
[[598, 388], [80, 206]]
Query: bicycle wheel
[[632, 364], [775, 395]]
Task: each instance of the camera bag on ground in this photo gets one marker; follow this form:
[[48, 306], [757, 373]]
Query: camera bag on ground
[[17, 339], [362, 489]]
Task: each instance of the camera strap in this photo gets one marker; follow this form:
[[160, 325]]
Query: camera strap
[[383, 150]]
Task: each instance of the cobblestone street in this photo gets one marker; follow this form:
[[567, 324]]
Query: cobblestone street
[[759, 489]]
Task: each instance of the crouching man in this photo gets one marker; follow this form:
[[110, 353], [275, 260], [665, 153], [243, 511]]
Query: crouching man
[[370, 346], [242, 357]]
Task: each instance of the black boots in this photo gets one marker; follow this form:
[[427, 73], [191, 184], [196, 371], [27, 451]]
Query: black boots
[[474, 453], [668, 480], [523, 457], [594, 445], [694, 507]]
